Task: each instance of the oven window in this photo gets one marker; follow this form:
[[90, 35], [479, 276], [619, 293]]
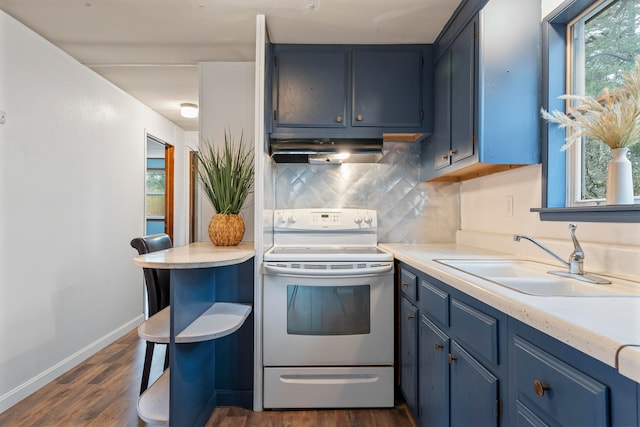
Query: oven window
[[328, 310]]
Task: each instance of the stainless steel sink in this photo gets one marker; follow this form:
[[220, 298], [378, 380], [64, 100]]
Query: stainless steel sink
[[533, 278]]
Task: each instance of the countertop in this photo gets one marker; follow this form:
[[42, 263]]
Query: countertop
[[196, 255], [605, 328]]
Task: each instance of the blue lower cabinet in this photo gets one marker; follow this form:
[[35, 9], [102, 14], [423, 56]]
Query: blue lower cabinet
[[434, 375], [554, 388], [479, 367], [556, 385], [409, 354], [461, 358], [474, 391]]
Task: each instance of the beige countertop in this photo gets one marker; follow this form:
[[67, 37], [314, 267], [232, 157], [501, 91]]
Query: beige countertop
[[605, 328], [196, 255]]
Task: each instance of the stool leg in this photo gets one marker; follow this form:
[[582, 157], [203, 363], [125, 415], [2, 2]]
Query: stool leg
[[146, 370], [166, 357]]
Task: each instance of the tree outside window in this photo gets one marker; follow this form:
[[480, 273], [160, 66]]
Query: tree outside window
[[605, 43], [155, 193]]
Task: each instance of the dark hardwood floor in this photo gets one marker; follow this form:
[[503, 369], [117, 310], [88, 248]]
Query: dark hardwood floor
[[103, 390]]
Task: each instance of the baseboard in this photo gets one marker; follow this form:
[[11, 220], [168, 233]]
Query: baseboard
[[242, 398], [28, 387]]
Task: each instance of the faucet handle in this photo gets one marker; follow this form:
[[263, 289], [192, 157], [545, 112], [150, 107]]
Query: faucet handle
[[576, 245], [577, 256]]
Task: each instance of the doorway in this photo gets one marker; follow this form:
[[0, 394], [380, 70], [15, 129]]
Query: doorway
[[159, 187]]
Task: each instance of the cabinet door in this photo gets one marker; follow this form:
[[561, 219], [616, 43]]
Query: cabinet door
[[463, 51], [311, 89], [409, 354], [555, 390], [433, 372], [442, 121], [387, 88], [474, 391]]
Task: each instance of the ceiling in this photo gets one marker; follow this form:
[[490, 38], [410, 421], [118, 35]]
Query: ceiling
[[151, 48]]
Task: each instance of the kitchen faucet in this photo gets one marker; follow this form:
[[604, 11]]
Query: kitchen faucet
[[575, 263]]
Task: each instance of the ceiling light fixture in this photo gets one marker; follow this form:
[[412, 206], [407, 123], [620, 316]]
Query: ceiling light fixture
[[188, 110]]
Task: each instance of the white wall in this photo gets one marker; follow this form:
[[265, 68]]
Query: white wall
[[485, 222], [72, 171], [549, 5], [227, 99]]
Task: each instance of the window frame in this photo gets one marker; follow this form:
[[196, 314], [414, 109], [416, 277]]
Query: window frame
[[554, 161]]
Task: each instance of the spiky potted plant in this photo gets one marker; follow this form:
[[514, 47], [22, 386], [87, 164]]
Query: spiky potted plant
[[226, 174]]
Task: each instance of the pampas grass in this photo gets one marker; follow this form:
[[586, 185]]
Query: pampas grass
[[613, 119]]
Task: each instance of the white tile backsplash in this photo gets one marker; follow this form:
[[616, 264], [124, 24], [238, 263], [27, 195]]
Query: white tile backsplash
[[409, 211]]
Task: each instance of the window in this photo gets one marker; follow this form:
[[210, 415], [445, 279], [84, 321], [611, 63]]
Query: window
[[562, 195], [155, 195], [603, 41]]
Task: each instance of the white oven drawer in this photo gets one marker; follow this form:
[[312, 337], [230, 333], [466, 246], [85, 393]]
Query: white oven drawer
[[353, 387]]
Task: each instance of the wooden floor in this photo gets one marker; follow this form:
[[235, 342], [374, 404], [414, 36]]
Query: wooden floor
[[102, 391]]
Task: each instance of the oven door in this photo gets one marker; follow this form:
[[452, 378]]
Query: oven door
[[316, 318]]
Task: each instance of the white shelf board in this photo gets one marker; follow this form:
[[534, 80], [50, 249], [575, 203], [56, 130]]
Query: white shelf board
[[153, 404], [156, 328], [221, 319]]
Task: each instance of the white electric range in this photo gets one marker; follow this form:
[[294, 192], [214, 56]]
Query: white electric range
[[328, 312]]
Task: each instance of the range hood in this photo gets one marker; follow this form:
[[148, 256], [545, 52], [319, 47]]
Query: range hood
[[326, 150]]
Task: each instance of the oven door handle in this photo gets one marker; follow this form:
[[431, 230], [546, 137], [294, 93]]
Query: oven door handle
[[371, 269]]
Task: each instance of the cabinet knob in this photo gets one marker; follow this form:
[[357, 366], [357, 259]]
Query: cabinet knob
[[410, 316], [540, 388], [405, 284], [444, 157], [439, 346], [359, 117], [452, 152], [452, 358], [339, 119]]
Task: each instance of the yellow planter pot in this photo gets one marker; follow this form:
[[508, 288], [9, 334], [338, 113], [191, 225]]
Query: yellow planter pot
[[226, 229]]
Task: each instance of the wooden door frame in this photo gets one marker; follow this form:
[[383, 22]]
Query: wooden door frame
[[169, 165]]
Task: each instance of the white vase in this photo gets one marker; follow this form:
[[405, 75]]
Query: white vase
[[619, 181]]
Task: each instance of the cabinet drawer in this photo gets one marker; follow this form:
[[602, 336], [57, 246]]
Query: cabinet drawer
[[435, 303], [477, 330], [409, 284], [555, 390]]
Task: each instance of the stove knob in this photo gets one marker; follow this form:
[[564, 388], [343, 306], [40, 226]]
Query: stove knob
[[357, 219], [282, 218], [368, 219], [292, 219]]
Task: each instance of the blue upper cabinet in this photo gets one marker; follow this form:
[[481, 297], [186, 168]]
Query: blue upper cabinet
[[310, 89], [342, 91], [487, 90], [387, 88], [454, 128]]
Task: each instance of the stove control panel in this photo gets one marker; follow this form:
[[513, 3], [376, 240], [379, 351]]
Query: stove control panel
[[325, 219]]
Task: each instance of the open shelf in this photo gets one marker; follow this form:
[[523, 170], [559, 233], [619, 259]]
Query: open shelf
[[221, 319], [156, 328], [153, 404]]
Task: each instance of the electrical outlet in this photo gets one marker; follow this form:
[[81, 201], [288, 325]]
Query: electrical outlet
[[509, 206], [3, 117]]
